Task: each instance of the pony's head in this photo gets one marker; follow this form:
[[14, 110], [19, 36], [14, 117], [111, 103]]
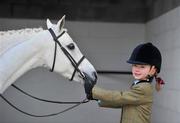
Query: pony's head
[[64, 56]]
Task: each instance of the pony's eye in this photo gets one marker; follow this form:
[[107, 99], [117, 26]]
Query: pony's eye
[[71, 46]]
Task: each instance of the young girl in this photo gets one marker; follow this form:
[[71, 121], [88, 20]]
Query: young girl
[[136, 103]]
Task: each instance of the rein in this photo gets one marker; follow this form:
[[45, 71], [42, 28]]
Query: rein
[[46, 115], [76, 69], [44, 100]]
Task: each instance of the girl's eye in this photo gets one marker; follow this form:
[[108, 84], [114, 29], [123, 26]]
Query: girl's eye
[[142, 66], [71, 46]]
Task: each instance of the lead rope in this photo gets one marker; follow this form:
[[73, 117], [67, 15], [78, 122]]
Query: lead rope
[[32, 115], [44, 100], [49, 101]]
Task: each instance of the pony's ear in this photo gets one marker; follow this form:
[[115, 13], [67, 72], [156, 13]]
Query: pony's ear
[[48, 23], [61, 23]]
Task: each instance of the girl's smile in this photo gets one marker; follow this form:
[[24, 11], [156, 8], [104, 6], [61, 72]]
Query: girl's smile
[[140, 72]]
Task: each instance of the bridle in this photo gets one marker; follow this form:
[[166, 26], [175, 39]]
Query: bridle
[[76, 69], [71, 59]]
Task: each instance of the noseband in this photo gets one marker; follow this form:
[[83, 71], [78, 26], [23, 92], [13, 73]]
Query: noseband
[[69, 56]]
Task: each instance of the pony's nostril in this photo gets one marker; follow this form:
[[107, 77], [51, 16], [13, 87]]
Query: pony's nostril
[[91, 77]]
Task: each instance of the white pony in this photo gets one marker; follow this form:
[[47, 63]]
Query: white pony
[[23, 50]]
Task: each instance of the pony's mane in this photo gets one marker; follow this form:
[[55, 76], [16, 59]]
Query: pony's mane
[[11, 38], [20, 31]]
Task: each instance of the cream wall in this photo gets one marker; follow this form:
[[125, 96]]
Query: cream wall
[[164, 32]]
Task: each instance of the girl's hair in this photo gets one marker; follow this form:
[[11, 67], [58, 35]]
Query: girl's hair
[[159, 83]]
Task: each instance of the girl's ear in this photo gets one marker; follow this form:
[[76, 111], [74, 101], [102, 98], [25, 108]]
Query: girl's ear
[[152, 71]]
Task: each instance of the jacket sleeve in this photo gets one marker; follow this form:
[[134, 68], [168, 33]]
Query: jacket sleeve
[[135, 96]]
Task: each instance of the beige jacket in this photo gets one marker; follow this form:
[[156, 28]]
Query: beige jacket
[[136, 103]]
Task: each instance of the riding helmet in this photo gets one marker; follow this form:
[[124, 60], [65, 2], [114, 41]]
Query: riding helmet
[[146, 53]]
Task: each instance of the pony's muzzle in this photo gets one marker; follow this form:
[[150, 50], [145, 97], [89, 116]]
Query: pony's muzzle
[[90, 77]]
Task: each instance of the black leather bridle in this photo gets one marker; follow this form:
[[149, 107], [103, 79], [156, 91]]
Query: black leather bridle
[[71, 59], [76, 69]]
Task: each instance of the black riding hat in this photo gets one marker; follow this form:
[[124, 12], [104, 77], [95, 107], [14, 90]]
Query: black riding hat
[[146, 54]]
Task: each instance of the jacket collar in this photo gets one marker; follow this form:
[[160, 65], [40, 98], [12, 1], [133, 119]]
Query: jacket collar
[[142, 81]]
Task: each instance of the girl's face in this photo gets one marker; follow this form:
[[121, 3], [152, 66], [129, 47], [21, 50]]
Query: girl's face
[[140, 72]]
